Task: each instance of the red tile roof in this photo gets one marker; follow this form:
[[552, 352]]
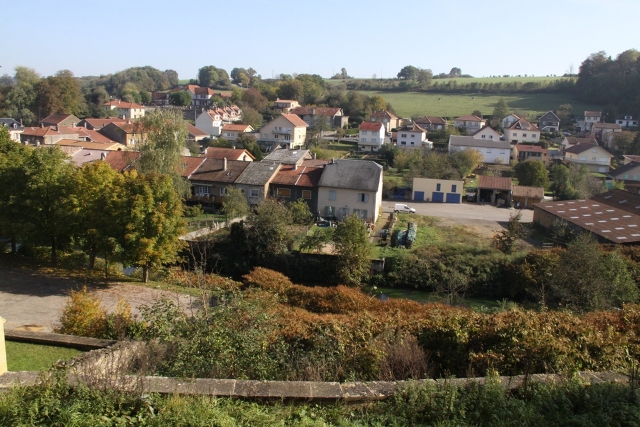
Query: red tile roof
[[120, 104], [189, 164], [531, 148], [42, 131], [213, 170], [237, 128], [592, 114], [469, 119], [528, 192], [122, 161], [383, 114], [295, 120], [575, 140], [56, 118], [524, 125], [303, 176], [100, 123], [316, 111], [195, 132], [494, 182], [373, 126], [228, 153]]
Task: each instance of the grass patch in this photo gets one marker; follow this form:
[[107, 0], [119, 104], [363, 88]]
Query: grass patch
[[35, 357], [412, 104]]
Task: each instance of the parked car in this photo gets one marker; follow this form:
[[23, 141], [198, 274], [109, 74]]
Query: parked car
[[400, 207]]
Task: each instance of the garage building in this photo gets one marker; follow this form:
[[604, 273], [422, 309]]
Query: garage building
[[437, 190]]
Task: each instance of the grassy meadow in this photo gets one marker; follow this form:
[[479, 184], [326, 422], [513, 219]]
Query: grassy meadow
[[414, 104], [35, 357]]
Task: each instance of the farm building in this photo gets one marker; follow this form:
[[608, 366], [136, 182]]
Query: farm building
[[612, 217], [525, 197], [494, 190]]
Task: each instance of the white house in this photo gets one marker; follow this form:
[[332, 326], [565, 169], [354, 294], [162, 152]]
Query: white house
[[470, 123], [493, 151], [349, 187], [413, 137], [509, 120], [371, 136], [522, 131], [287, 130], [627, 122], [590, 118]]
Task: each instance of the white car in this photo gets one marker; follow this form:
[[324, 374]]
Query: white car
[[399, 207]]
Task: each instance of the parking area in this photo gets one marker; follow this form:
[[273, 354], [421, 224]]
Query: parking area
[[461, 211]]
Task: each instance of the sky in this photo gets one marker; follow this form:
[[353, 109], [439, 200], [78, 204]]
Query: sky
[[482, 38]]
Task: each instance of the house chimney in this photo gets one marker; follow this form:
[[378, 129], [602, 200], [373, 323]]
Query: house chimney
[[313, 156], [103, 156], [295, 166], [224, 164]]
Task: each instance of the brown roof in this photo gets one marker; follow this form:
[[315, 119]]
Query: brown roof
[[228, 153], [302, 176], [384, 114], [295, 120], [611, 223], [316, 111], [56, 118], [524, 125], [575, 140], [374, 126], [432, 120], [237, 128], [528, 192], [213, 170], [42, 131], [531, 148], [469, 119], [580, 148], [194, 131], [100, 123], [620, 199], [122, 161], [189, 164], [91, 135], [592, 113], [120, 104], [494, 182], [607, 126]]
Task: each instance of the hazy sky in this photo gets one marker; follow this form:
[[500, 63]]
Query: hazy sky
[[483, 38]]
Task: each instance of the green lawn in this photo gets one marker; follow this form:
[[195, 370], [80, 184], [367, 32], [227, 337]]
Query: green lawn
[[411, 104], [35, 357]]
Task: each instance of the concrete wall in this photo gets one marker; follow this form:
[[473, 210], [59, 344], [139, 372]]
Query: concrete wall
[[429, 186]]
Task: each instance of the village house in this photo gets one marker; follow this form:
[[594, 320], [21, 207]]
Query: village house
[[431, 123], [231, 131], [413, 137], [486, 141], [285, 105], [255, 179], [14, 127], [590, 118], [294, 182], [509, 120], [570, 141], [523, 152], [213, 120], [211, 180], [288, 156], [371, 136], [45, 135], [351, 187], [387, 118], [470, 123], [596, 158], [629, 174], [522, 131], [97, 124], [59, 119], [333, 116], [437, 190], [603, 132], [287, 130], [128, 133], [549, 122], [228, 153], [626, 122], [126, 110]]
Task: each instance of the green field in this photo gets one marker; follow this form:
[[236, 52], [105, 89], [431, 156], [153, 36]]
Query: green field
[[35, 357], [415, 104]]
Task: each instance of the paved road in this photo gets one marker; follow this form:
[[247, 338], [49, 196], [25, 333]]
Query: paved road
[[460, 211]]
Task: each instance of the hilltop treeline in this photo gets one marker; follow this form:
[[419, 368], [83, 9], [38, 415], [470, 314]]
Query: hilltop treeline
[[611, 82]]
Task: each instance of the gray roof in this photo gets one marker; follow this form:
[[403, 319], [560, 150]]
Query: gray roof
[[288, 157], [352, 174], [620, 171], [469, 141], [11, 123], [258, 173]]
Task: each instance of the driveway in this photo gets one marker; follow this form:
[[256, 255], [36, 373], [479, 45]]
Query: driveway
[[33, 301], [461, 211]]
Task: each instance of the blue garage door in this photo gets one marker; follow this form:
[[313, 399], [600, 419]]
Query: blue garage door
[[453, 198], [418, 196], [437, 197]]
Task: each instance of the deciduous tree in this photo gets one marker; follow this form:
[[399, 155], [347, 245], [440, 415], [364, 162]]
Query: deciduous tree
[[353, 250], [532, 173], [234, 204]]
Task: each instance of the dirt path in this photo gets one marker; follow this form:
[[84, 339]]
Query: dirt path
[[33, 301]]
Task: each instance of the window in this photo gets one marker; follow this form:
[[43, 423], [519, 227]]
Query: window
[[534, 136], [254, 192], [306, 194], [453, 188], [363, 197], [283, 192], [332, 194], [404, 135], [374, 140], [626, 176], [484, 136], [202, 190], [223, 191], [363, 132], [329, 211], [403, 143], [438, 187], [413, 136], [264, 135], [344, 212], [363, 139], [524, 135]]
